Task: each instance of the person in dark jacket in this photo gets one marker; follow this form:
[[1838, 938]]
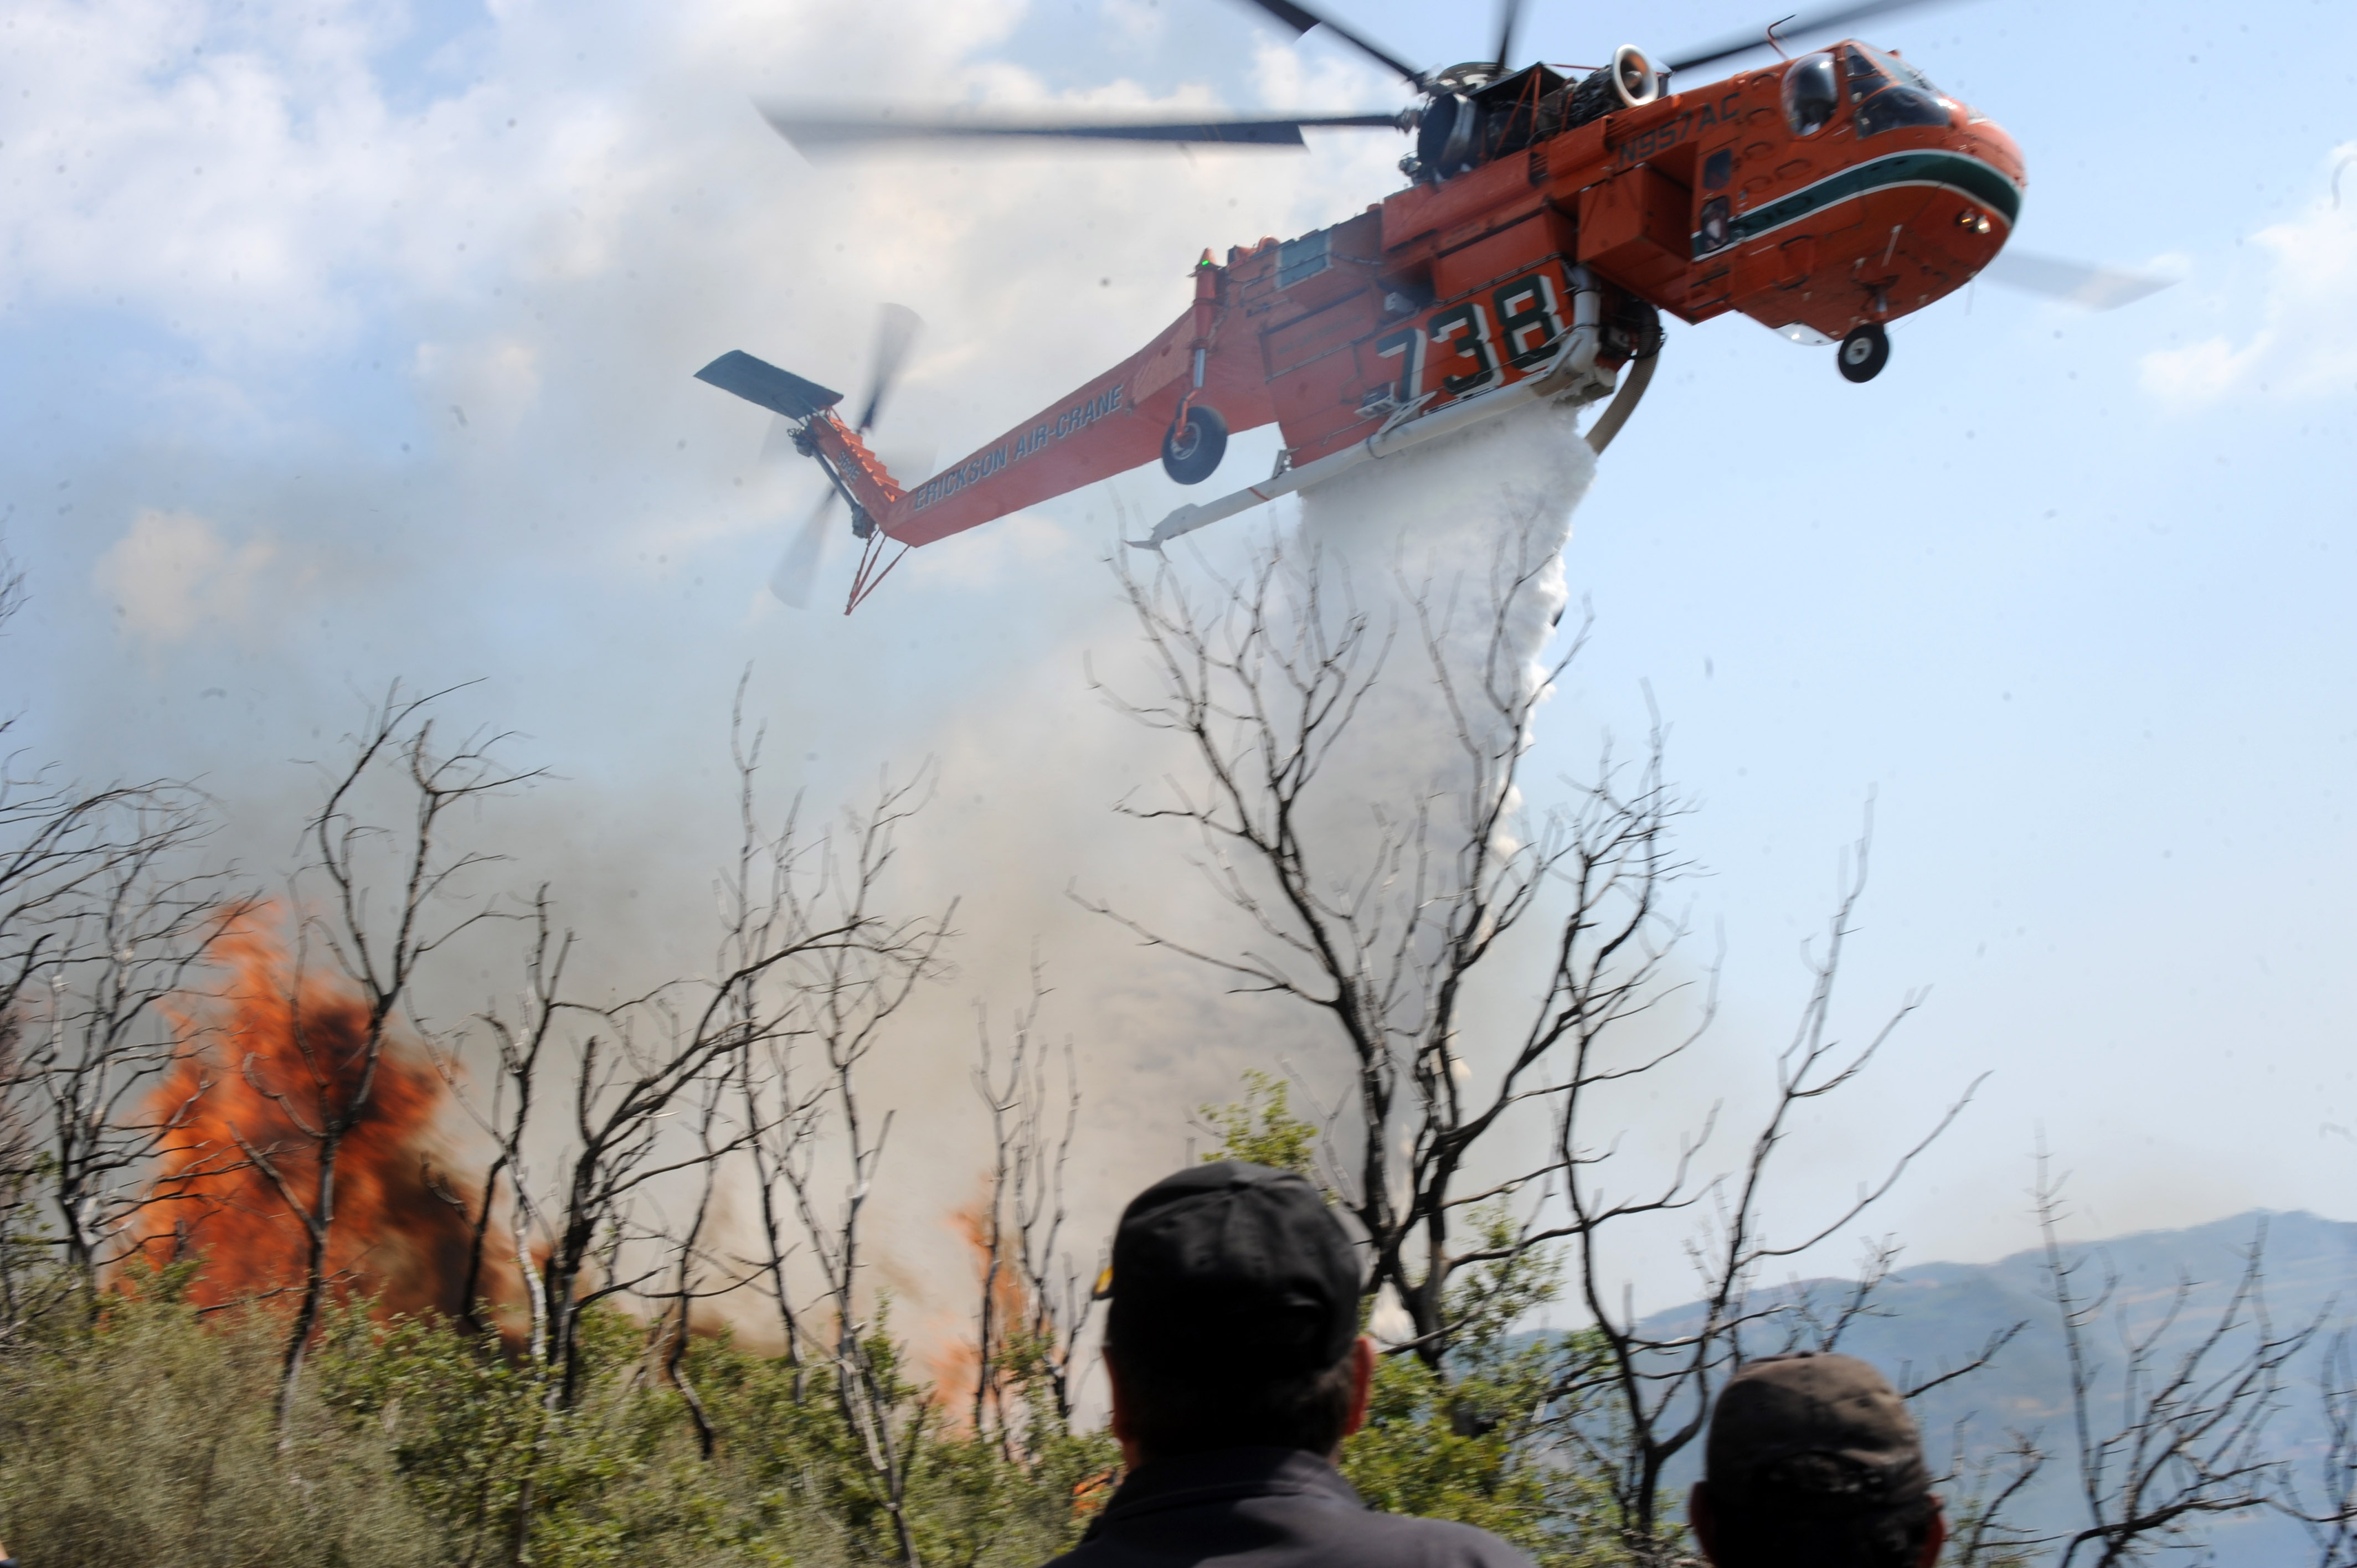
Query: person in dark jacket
[[1812, 1462], [1232, 1342]]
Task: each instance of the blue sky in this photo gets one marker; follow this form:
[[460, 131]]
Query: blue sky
[[354, 342]]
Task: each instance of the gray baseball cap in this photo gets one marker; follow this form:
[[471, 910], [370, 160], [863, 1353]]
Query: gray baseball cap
[[1812, 1431]]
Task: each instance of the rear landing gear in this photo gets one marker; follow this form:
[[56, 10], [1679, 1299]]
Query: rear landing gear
[[1864, 352], [1192, 450]]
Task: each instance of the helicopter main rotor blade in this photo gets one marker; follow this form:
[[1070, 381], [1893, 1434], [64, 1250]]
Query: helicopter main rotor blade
[[1301, 18], [896, 329], [817, 133], [1790, 28], [2074, 282], [797, 569], [1509, 13]]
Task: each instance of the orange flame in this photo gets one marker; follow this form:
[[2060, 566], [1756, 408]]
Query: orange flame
[[266, 1061], [956, 1364]]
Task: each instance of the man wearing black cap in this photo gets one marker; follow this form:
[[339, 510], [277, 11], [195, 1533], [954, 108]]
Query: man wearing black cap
[[1812, 1462], [1237, 1370]]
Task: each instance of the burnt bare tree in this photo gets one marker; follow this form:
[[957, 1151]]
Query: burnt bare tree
[[1261, 680], [823, 1143], [2330, 1514], [1983, 1488], [101, 1042], [604, 1112], [1643, 1395], [2170, 1421], [1442, 1149], [2191, 1441], [637, 1059], [692, 1260], [520, 1040], [1033, 1304], [101, 914], [391, 896], [19, 1174]]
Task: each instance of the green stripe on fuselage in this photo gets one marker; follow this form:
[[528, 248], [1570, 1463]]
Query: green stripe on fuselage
[[1955, 170]]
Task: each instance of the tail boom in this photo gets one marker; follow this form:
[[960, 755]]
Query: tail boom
[[1109, 426]]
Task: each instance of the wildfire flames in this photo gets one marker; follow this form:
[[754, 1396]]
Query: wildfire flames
[[957, 1363], [268, 1058]]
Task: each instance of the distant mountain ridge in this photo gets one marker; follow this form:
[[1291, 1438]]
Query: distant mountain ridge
[[1930, 1318]]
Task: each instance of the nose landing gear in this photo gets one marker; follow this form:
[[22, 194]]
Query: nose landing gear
[[1863, 352]]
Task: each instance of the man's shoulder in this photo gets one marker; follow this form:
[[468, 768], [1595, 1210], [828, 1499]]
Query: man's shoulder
[[1269, 1508], [1408, 1540], [1332, 1536]]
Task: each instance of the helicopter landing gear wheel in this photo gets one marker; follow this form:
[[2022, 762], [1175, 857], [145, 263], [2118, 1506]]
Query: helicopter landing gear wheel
[[1864, 352], [1193, 450]]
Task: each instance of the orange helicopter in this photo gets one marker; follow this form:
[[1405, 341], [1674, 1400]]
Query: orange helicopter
[[1549, 221]]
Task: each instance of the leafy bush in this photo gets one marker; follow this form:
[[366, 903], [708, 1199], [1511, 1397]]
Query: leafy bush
[[146, 1439], [149, 1436]]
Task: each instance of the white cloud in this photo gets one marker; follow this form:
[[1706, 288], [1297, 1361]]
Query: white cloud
[[173, 574], [1287, 77], [488, 385], [2306, 344]]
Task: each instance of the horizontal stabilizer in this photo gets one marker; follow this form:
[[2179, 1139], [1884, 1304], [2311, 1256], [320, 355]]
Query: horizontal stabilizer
[[757, 381]]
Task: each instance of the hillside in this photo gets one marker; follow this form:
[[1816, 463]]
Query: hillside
[[1933, 1316]]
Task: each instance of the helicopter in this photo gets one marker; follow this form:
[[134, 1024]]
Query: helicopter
[[1550, 221]]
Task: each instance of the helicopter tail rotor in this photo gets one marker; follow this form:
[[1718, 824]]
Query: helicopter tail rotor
[[896, 333], [797, 570]]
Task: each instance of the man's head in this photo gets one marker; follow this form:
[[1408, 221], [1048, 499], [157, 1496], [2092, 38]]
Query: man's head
[[1812, 1462], [1234, 1313]]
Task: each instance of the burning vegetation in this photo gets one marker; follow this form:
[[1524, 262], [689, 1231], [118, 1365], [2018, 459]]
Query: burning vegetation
[[276, 1058]]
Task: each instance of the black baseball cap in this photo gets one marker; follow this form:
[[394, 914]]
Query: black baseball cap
[[1813, 1432], [1234, 1262]]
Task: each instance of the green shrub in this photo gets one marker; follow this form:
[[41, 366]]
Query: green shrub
[[151, 1439], [150, 1436]]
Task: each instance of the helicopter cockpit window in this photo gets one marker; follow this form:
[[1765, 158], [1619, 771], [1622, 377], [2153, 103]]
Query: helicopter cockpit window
[[1867, 76], [1912, 74], [1885, 103], [1812, 93]]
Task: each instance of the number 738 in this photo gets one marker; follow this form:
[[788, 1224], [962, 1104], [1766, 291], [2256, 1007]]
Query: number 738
[[1528, 321]]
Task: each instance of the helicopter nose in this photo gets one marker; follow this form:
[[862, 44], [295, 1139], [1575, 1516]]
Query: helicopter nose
[[1975, 225], [1989, 141]]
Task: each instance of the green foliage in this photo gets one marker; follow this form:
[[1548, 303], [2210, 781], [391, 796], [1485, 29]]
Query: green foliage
[[149, 1436], [1034, 1479], [147, 1439], [1262, 1127], [474, 1435], [1466, 1440], [1438, 1448]]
